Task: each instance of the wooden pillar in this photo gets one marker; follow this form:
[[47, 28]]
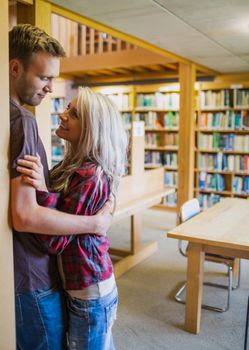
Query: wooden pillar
[[186, 152], [39, 14], [7, 314]]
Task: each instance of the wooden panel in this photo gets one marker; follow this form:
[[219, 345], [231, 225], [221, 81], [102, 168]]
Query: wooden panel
[[186, 134], [116, 59], [7, 311]]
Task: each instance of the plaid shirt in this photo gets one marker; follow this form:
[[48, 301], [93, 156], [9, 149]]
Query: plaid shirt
[[85, 257]]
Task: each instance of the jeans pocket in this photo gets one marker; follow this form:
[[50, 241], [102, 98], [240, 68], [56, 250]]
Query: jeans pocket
[[77, 307], [111, 313], [43, 292]]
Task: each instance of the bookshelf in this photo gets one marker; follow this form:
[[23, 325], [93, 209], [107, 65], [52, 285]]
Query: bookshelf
[[222, 143], [123, 97], [158, 107], [58, 104], [57, 146]]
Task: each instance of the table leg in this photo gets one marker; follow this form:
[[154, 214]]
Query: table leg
[[136, 233], [194, 288]]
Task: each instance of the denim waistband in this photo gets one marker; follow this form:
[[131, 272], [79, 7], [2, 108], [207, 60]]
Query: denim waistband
[[94, 291]]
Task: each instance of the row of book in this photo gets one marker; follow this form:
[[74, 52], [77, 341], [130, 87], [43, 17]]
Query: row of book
[[169, 100], [241, 97], [168, 159], [122, 101], [229, 142], [127, 117], [241, 185], [223, 162], [154, 139], [224, 120], [208, 200], [215, 182], [171, 178], [216, 99], [227, 98], [170, 200], [156, 121]]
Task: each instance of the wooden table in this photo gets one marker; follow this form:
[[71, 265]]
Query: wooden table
[[222, 229], [137, 194]]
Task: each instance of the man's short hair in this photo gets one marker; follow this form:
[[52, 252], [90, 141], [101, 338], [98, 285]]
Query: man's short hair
[[25, 39]]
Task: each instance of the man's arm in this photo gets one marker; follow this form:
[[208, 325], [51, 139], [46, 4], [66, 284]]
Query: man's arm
[[28, 216]]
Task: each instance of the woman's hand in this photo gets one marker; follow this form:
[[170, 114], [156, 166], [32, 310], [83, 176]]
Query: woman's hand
[[32, 172]]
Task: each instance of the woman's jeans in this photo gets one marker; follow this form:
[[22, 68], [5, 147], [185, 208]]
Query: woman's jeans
[[41, 320], [91, 321]]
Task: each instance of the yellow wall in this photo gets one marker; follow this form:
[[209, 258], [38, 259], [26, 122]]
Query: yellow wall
[[7, 324]]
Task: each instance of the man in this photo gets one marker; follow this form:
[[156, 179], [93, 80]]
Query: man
[[40, 320]]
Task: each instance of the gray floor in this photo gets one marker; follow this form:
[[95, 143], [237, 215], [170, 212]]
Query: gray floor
[[148, 316]]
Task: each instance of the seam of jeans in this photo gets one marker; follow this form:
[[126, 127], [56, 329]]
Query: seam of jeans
[[44, 328], [20, 309]]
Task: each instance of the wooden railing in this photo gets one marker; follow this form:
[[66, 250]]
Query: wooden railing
[[80, 40]]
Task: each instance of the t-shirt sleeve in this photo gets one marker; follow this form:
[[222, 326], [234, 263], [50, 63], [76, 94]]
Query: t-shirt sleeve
[[23, 140]]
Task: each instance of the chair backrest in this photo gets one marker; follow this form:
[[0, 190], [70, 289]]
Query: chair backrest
[[189, 209]]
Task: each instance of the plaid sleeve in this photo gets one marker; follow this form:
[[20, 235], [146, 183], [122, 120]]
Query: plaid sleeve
[[53, 244], [88, 192]]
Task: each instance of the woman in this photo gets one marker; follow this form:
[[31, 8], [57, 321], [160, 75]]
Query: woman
[[96, 144]]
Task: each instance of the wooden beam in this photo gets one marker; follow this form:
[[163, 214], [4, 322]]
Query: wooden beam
[[40, 15], [128, 77], [235, 78], [26, 2], [118, 59], [186, 133]]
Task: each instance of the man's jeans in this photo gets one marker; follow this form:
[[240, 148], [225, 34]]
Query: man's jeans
[[91, 321], [41, 320]]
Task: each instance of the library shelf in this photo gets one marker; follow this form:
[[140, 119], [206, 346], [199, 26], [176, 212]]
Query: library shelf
[[222, 143]]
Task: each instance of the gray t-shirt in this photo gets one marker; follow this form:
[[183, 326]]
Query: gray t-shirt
[[34, 268]]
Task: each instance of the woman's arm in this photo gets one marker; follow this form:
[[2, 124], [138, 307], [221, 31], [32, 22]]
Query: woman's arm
[[84, 198]]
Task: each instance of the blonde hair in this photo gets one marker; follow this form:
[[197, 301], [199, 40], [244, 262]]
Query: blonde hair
[[25, 40], [103, 140]]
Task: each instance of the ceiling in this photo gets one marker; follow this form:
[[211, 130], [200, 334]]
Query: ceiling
[[213, 33]]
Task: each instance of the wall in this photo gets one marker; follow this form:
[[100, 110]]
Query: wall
[[7, 324]]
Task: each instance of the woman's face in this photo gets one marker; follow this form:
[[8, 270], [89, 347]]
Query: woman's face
[[70, 124]]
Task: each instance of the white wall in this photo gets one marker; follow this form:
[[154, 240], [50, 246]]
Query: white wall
[[7, 322]]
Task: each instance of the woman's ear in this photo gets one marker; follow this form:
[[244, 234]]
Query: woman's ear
[[15, 68]]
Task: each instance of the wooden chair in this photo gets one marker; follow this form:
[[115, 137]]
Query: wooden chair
[[187, 211]]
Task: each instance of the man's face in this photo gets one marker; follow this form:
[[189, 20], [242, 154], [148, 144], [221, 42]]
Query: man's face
[[32, 84]]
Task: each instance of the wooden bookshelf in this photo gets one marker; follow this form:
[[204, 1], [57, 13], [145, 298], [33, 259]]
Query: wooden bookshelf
[[222, 143], [158, 106]]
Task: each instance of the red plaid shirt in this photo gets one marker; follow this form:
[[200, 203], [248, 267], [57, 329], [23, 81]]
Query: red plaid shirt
[[85, 257]]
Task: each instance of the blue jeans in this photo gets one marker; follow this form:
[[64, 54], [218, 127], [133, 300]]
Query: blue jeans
[[91, 321], [41, 320]]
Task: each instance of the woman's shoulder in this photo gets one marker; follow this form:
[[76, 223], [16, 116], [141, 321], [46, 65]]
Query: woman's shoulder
[[88, 169]]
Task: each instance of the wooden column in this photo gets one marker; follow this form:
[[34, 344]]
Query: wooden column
[[39, 15], [7, 313], [186, 133]]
